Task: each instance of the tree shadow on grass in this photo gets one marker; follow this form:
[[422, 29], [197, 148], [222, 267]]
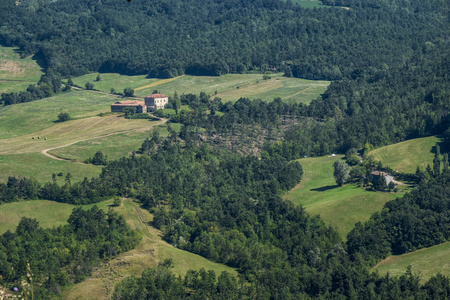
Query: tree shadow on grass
[[324, 188]]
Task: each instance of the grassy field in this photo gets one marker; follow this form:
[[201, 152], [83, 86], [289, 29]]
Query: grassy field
[[48, 213], [20, 155], [17, 74], [340, 207], [427, 262], [310, 3], [406, 156], [148, 253], [229, 87]]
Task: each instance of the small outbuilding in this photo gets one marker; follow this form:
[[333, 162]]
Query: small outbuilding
[[120, 105], [377, 174]]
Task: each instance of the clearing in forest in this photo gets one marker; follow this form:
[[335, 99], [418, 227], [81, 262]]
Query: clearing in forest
[[427, 262], [21, 155], [340, 207], [17, 74], [406, 156], [229, 87]]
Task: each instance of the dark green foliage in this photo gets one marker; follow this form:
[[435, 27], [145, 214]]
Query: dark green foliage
[[98, 159], [419, 219], [341, 171], [129, 112], [128, 92], [63, 255], [89, 86], [214, 37], [63, 117], [48, 85]]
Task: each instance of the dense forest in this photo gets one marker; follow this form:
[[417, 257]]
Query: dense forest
[[166, 38], [227, 208], [390, 64]]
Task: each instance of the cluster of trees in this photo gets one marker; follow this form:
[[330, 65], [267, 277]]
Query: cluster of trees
[[99, 159], [60, 256], [161, 283], [48, 85]]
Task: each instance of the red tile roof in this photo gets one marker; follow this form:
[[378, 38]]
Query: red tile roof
[[156, 96], [129, 103]]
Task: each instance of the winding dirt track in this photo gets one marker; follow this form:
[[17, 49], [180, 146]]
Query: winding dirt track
[[45, 151]]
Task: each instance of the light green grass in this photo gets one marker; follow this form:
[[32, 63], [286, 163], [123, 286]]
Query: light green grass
[[113, 80], [427, 262], [229, 87], [340, 207], [151, 251], [114, 147], [20, 155], [26, 118], [41, 168], [48, 213], [406, 156], [17, 74], [310, 3]]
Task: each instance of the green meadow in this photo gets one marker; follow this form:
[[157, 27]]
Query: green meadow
[[310, 3], [21, 155], [426, 262], [340, 207], [406, 156], [48, 213], [229, 87], [16, 73]]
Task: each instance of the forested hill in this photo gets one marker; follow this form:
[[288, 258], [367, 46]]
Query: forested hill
[[211, 37]]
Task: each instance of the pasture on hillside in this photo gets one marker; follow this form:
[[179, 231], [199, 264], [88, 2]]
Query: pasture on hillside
[[21, 155], [426, 262], [340, 207], [229, 87], [150, 251], [16, 73], [48, 213], [406, 156], [115, 146]]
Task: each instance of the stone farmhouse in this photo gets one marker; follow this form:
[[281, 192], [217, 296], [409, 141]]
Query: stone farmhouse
[[377, 175], [156, 101], [120, 105]]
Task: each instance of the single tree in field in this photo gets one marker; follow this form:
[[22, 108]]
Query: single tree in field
[[117, 201], [69, 81], [89, 86], [341, 172], [63, 116], [68, 177], [128, 92], [98, 78]]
